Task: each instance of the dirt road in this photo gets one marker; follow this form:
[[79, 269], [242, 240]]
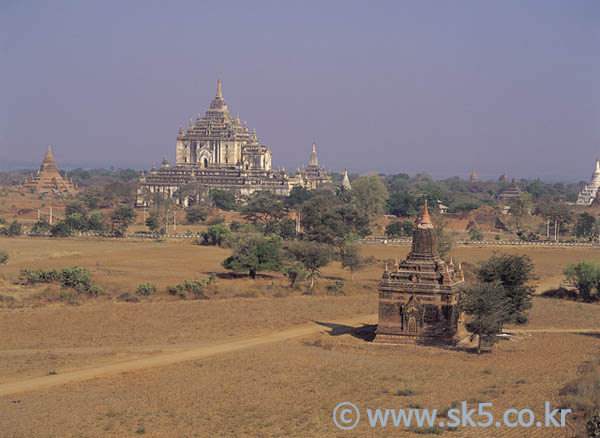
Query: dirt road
[[172, 357]]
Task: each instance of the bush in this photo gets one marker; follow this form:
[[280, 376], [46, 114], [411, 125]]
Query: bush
[[78, 278], [475, 234], [3, 257], [32, 276], [72, 277], [223, 199], [12, 230], [145, 289], [337, 286], [193, 286], [399, 229], [41, 227], [217, 235], [584, 276], [61, 229], [195, 215]]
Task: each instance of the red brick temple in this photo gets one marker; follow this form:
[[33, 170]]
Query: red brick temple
[[418, 298]]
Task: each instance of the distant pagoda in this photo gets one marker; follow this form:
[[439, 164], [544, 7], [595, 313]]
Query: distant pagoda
[[474, 177], [418, 298], [510, 192], [47, 179], [346, 181], [588, 194]]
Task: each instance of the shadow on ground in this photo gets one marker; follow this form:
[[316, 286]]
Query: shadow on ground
[[366, 332]]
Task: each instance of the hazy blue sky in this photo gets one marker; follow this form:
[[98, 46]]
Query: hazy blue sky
[[436, 86]]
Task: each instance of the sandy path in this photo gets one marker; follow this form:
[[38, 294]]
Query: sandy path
[[171, 357]]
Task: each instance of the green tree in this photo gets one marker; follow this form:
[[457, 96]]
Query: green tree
[[295, 272], [75, 207], [520, 207], [326, 219], [475, 234], [402, 204], [153, 221], [400, 229], [77, 221], [195, 215], [287, 228], [443, 239], [297, 196], [216, 235], [351, 258], [223, 199], [513, 273], [312, 255], [586, 226], [41, 227], [559, 213], [12, 230], [369, 194], [487, 307], [61, 229], [263, 209], [255, 253], [121, 218], [96, 221], [584, 276]]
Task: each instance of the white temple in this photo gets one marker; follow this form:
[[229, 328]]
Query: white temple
[[589, 192]]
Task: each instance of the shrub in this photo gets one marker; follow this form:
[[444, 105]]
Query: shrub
[[337, 286], [195, 215], [223, 199], [76, 277], [3, 257], [475, 234], [584, 276], [32, 276], [41, 227], [145, 289], [61, 229], [399, 229], [72, 277], [235, 226], [193, 286], [12, 230], [217, 235]]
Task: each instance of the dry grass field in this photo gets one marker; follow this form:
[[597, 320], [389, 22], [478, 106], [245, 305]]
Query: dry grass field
[[286, 388]]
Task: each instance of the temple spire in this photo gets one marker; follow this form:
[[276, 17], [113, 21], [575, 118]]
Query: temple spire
[[49, 164], [346, 181], [314, 160], [425, 219], [219, 91]]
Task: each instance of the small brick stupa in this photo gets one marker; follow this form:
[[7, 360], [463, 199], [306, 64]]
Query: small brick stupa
[[48, 180], [418, 298]]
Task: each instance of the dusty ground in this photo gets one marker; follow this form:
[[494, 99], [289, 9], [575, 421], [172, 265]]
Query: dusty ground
[[286, 388]]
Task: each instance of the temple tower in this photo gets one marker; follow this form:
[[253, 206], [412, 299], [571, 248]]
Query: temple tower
[[418, 298], [346, 181], [48, 179]]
